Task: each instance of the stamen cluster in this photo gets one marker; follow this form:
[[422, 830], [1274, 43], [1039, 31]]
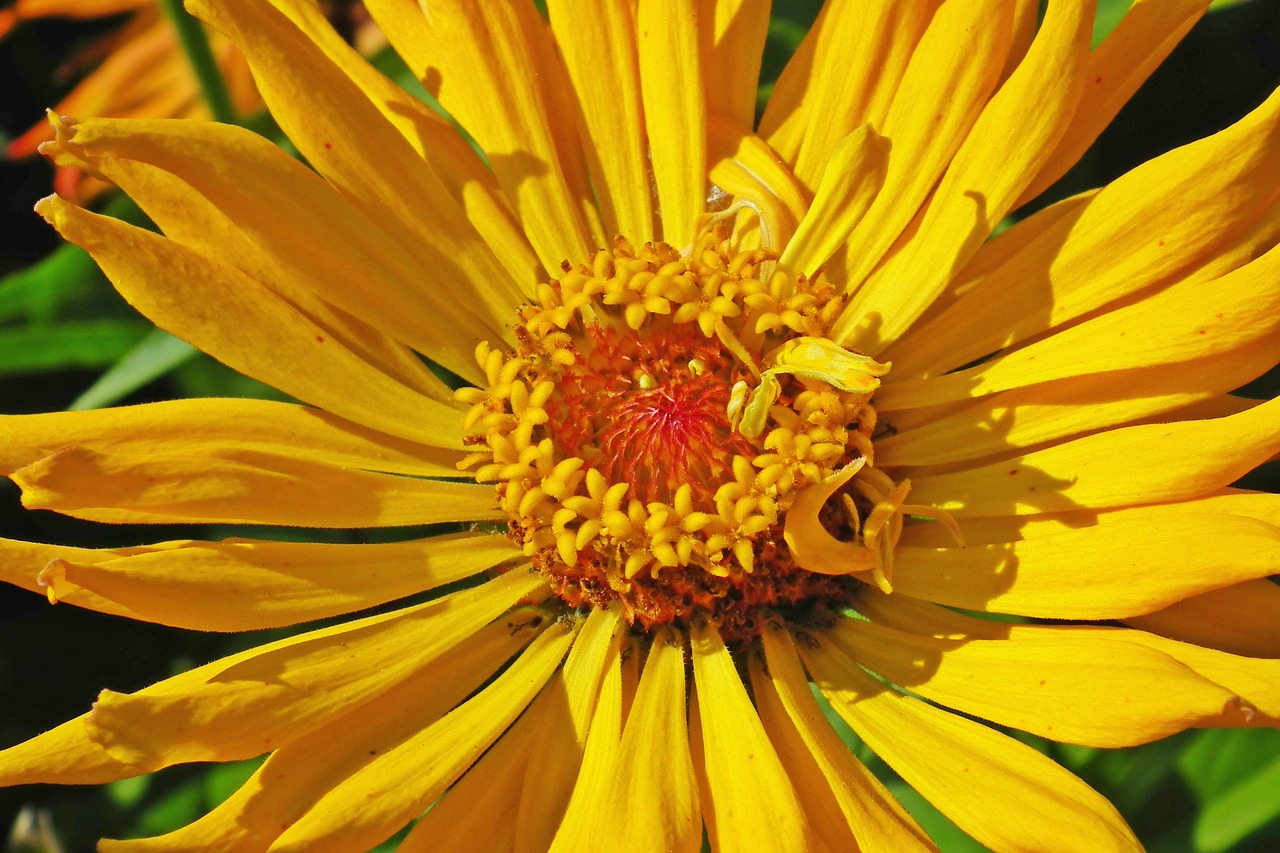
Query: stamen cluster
[[659, 416]]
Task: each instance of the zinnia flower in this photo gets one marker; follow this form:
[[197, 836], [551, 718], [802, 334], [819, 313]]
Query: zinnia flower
[[744, 411]]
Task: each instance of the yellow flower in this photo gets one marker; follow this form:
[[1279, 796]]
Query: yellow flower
[[716, 441]]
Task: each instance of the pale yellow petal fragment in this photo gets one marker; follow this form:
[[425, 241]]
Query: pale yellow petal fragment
[[1181, 323], [562, 740], [845, 74], [812, 547], [655, 767], [746, 168], [849, 185], [598, 42], [999, 157], [497, 74], [944, 89], [591, 819], [1165, 219], [753, 801], [987, 782], [252, 702], [1144, 37], [1074, 686], [1143, 564], [1142, 464], [271, 340], [206, 584], [392, 789], [830, 781], [675, 111], [242, 488]]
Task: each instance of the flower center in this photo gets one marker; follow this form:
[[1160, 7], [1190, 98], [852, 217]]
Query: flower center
[[661, 416]]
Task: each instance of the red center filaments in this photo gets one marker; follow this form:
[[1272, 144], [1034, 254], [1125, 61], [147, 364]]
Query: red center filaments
[[658, 418]]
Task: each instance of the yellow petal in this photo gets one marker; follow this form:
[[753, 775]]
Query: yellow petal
[[562, 739], [655, 767], [732, 72], [1172, 217], [752, 799], [208, 586], [497, 74], [294, 776], [812, 546], [284, 225], [64, 755], [834, 786], [945, 87], [675, 110], [1027, 417], [348, 140], [1179, 324], [367, 807], [191, 295], [457, 165], [1071, 685], [1148, 463], [1243, 619], [845, 74], [745, 167], [593, 814], [242, 487], [252, 702], [1000, 155], [986, 782], [849, 184], [202, 427], [1116, 68], [1135, 566], [598, 41]]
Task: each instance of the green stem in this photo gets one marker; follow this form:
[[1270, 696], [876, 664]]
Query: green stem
[[196, 45]]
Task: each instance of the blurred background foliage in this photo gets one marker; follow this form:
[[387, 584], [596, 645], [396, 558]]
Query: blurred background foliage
[[68, 341]]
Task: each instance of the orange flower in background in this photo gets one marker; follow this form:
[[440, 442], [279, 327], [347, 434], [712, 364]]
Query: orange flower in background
[[744, 413]]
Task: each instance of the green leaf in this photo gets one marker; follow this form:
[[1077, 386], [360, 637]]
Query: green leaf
[[153, 356], [1247, 806], [1218, 759], [223, 780], [1108, 15], [38, 291], [87, 344]]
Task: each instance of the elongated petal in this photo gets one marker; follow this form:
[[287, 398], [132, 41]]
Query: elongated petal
[[244, 585], [1116, 68], [852, 178], [675, 110], [1137, 566], [945, 87], [349, 141], [250, 703], [1167, 218], [295, 776], [737, 33], [497, 74], [1073, 686], [1180, 324], [986, 782], [242, 487], [1148, 463], [656, 767], [271, 340], [587, 821], [392, 789], [288, 226], [65, 755], [753, 800], [562, 739], [831, 782], [203, 426], [845, 73], [1243, 619], [598, 41], [745, 167]]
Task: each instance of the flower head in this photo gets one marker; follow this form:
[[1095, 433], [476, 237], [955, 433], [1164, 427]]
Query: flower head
[[741, 410]]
